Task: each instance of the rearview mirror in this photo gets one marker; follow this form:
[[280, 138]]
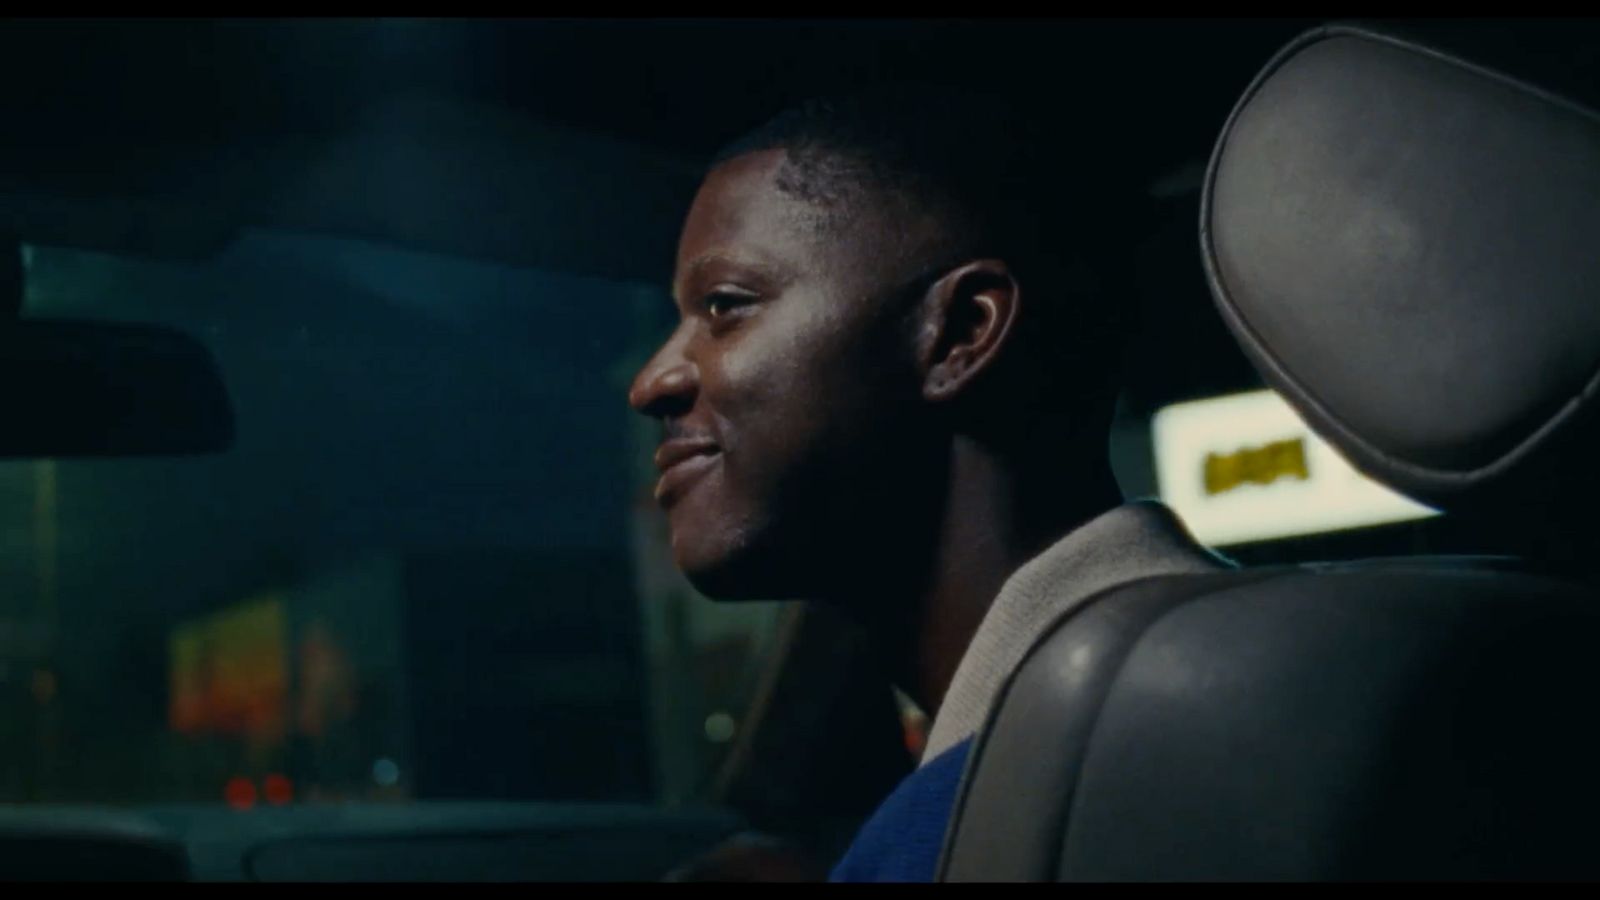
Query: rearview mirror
[[79, 389]]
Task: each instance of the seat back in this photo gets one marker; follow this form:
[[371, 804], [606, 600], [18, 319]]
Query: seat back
[[1402, 242]]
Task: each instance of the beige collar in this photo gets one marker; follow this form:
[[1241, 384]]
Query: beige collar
[[1136, 540]]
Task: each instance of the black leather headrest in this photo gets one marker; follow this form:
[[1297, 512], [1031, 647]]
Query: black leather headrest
[[1408, 247]]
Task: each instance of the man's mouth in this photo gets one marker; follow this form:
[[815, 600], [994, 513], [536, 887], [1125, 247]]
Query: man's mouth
[[682, 461]]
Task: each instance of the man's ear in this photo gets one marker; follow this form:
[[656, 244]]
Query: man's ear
[[967, 319]]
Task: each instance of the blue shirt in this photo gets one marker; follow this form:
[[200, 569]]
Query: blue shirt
[[902, 840]]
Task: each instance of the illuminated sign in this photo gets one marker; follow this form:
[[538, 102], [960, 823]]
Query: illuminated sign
[[228, 672], [1258, 465], [1247, 468]]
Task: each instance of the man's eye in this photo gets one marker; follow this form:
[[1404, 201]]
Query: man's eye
[[720, 303]]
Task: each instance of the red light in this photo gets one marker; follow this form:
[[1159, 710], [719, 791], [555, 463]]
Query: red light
[[278, 790], [240, 793], [915, 729]]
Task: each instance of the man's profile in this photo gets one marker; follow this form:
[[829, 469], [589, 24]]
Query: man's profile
[[889, 391]]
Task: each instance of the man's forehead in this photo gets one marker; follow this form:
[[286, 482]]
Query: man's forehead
[[743, 198], [744, 214]]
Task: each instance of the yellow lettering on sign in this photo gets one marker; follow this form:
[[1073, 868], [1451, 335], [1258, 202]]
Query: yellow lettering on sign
[[1256, 465]]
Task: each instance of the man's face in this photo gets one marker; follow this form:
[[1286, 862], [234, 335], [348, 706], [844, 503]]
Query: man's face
[[788, 392]]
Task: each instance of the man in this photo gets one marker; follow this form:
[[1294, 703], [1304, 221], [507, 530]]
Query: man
[[889, 391]]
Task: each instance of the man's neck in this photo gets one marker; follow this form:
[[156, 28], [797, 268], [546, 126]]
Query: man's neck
[[995, 519]]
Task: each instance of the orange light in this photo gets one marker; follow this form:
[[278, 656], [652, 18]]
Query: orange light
[[278, 790], [240, 793]]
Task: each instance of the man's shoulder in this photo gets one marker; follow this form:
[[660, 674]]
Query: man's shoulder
[[903, 839]]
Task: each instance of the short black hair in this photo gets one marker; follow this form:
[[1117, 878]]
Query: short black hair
[[1013, 181], [980, 155]]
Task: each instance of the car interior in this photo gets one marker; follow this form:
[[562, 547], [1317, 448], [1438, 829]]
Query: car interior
[[325, 538]]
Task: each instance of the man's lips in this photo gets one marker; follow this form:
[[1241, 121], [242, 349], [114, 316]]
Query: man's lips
[[682, 461], [672, 452]]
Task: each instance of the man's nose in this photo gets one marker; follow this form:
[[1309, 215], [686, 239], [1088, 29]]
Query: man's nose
[[667, 384]]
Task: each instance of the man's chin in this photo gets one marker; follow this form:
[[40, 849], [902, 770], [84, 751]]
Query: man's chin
[[729, 584], [734, 578]]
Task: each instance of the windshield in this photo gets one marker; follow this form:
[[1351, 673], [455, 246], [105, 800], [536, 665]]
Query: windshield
[[427, 569]]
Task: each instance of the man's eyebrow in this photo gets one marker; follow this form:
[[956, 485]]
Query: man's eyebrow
[[705, 260], [693, 268], [759, 266]]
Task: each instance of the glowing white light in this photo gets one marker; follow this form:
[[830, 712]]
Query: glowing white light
[[1247, 468], [720, 727]]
